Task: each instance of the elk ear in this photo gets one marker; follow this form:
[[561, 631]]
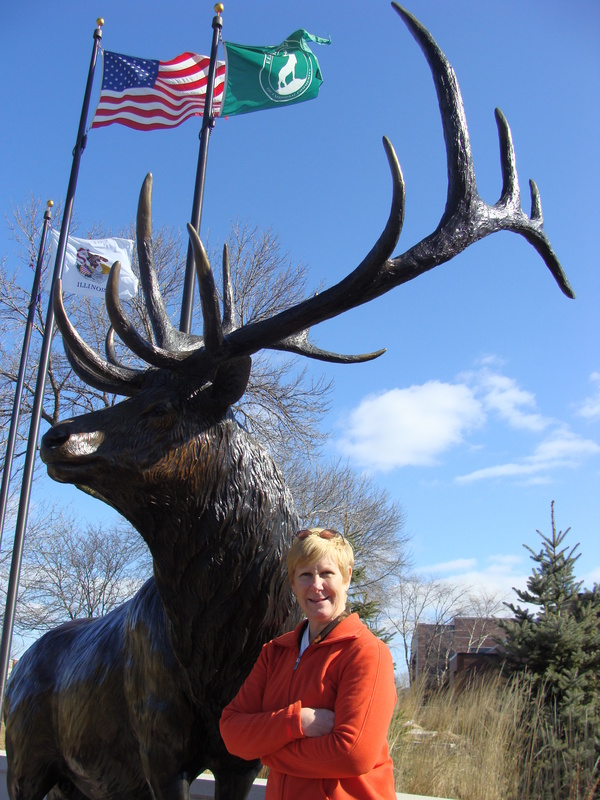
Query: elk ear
[[230, 380]]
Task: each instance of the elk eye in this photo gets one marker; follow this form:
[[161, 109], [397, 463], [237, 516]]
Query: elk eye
[[158, 410]]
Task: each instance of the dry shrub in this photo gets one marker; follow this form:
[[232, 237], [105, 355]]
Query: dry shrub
[[462, 744], [491, 740]]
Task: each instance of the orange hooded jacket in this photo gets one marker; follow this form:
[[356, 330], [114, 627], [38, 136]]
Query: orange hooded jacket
[[349, 672]]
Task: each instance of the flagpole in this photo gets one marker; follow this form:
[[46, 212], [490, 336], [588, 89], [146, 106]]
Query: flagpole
[[36, 413], [208, 122], [14, 420]]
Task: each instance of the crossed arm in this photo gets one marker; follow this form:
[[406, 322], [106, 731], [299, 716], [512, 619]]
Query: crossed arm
[[316, 742]]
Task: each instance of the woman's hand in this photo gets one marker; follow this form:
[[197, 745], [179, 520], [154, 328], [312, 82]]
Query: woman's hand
[[316, 721]]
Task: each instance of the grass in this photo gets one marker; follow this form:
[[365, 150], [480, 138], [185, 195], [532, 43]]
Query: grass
[[490, 741], [485, 742]]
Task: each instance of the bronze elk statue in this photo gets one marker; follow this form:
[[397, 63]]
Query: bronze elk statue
[[126, 707]]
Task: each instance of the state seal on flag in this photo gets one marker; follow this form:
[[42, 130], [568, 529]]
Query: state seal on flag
[[87, 265], [285, 74], [92, 265]]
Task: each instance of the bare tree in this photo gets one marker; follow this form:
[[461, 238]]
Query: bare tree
[[334, 495], [72, 569], [447, 601], [411, 599], [422, 612], [282, 406], [65, 395]]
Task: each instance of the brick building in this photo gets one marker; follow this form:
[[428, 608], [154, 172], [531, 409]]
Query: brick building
[[443, 652]]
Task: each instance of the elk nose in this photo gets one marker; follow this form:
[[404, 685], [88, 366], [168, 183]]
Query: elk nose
[[56, 436]]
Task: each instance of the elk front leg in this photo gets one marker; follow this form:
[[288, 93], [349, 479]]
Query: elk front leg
[[176, 789], [231, 785]]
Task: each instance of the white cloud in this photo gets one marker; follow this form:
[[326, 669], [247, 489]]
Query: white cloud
[[496, 578], [498, 471], [590, 408], [451, 566], [562, 448], [478, 588], [418, 425], [504, 561], [513, 404], [592, 577], [411, 426], [490, 360]]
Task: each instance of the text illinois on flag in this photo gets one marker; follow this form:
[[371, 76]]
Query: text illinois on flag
[[87, 265], [152, 95]]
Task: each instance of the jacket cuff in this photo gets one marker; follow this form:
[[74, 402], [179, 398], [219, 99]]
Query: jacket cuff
[[295, 721]]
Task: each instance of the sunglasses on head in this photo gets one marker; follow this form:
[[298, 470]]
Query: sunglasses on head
[[327, 533]]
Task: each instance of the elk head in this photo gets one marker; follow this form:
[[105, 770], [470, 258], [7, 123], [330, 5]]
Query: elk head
[[215, 368]]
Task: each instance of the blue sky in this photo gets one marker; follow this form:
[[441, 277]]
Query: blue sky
[[486, 405]]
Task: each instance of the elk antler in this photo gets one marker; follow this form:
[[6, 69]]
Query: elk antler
[[466, 220], [174, 350]]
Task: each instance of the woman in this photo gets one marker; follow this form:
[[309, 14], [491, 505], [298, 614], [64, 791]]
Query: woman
[[318, 703]]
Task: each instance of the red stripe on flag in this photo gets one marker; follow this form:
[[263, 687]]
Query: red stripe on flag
[[179, 93]]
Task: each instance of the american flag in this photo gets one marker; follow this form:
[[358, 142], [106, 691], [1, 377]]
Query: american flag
[[151, 95]]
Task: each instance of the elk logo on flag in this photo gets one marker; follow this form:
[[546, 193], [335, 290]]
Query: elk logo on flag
[[286, 74], [271, 77], [92, 265]]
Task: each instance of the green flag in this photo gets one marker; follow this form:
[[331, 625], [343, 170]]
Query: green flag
[[271, 77]]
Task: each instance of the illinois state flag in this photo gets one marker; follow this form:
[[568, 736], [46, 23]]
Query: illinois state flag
[[88, 262], [271, 77], [149, 95]]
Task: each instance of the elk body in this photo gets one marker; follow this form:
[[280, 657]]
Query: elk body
[[117, 704], [127, 706]]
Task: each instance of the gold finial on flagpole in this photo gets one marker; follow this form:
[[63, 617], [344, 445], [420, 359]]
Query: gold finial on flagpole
[[100, 22], [50, 203], [219, 8]]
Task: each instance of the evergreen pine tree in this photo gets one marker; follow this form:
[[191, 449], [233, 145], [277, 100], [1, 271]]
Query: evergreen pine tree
[[558, 647]]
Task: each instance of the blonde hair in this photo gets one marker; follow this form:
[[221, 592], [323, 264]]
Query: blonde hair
[[313, 547]]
